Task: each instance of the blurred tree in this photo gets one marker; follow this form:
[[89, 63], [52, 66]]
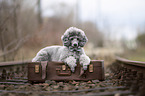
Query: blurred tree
[[141, 39], [17, 23], [63, 17], [39, 12], [93, 34]]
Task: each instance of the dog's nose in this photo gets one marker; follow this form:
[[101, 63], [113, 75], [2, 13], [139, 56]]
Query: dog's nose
[[75, 44]]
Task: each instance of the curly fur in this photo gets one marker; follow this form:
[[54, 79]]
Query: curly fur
[[70, 53]]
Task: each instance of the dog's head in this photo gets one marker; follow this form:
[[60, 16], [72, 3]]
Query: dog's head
[[74, 38]]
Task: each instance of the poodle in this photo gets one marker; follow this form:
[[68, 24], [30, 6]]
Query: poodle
[[70, 53]]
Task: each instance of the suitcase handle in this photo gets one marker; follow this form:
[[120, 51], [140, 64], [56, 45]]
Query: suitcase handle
[[64, 74], [63, 71]]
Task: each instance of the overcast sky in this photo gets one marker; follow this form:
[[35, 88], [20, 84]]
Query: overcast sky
[[120, 17]]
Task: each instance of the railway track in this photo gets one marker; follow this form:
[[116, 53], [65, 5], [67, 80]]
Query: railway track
[[127, 78], [131, 74]]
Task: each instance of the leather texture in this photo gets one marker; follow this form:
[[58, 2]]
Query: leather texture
[[58, 71]]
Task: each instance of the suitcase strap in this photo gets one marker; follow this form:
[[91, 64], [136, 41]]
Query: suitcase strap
[[83, 73], [44, 64]]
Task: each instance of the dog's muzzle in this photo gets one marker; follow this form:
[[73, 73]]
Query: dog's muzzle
[[75, 43]]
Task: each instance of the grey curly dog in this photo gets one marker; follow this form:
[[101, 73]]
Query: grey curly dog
[[70, 53]]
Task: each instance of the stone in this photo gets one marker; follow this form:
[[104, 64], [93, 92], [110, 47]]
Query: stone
[[56, 86], [95, 81]]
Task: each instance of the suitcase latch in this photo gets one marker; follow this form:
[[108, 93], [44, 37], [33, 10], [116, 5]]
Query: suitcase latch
[[91, 69], [36, 68], [63, 67]]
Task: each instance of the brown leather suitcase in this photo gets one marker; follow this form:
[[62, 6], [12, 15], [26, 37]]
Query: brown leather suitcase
[[58, 71]]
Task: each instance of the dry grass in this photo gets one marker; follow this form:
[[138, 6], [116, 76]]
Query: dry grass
[[25, 54], [136, 55]]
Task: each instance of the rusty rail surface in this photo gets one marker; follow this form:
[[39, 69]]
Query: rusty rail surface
[[131, 73], [14, 69], [135, 68]]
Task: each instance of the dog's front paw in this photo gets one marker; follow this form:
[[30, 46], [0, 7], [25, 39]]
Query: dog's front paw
[[84, 61], [71, 61], [85, 67]]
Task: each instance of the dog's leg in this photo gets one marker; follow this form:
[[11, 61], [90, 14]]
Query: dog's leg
[[71, 61], [84, 61], [41, 56]]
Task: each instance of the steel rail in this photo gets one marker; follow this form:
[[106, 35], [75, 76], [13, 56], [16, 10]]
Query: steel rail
[[130, 62], [70, 91], [132, 67], [12, 63]]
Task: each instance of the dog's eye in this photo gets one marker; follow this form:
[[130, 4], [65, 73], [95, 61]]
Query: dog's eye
[[71, 38]]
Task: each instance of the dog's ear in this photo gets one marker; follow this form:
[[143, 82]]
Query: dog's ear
[[62, 37], [65, 40], [83, 41]]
